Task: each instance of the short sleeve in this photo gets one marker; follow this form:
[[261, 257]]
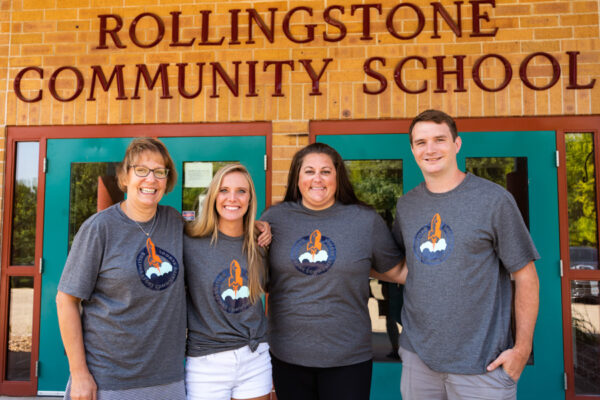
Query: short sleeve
[[83, 262], [267, 215], [385, 252], [513, 242]]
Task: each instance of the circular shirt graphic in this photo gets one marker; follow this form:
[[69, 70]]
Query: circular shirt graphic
[[313, 254], [433, 251], [159, 271], [231, 296]]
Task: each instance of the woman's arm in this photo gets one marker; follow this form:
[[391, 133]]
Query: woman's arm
[[397, 274], [83, 385], [264, 239]]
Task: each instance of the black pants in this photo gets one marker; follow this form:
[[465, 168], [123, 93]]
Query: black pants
[[296, 382]]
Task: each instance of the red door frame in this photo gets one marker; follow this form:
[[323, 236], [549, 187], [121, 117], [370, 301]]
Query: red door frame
[[568, 273], [560, 125], [41, 134]]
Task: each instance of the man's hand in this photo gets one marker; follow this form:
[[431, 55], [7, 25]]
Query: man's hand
[[513, 361], [83, 387]]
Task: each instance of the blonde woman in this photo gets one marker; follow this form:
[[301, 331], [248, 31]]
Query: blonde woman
[[227, 354]]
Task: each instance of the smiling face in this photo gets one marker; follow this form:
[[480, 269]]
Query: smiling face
[[233, 200], [144, 193], [317, 181], [434, 149]]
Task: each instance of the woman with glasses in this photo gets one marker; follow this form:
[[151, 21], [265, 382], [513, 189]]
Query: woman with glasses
[[125, 272], [227, 354]]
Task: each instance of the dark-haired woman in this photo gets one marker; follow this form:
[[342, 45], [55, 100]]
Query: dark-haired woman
[[325, 242]]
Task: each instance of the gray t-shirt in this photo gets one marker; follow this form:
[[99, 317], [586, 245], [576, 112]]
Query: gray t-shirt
[[461, 247], [133, 297], [220, 314], [319, 282]]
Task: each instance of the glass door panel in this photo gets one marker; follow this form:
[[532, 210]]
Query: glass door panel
[[581, 200], [20, 328], [196, 179], [93, 188], [585, 324], [508, 172], [582, 273], [25, 204]]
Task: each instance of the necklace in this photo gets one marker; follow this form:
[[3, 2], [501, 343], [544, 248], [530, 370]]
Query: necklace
[[139, 226]]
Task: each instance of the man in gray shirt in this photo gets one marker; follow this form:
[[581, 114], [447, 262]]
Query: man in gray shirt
[[463, 237]]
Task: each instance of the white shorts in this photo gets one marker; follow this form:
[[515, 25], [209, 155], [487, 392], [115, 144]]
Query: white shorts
[[239, 374]]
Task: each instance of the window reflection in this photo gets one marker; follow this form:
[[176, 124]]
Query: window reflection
[[508, 172], [93, 188], [20, 327], [25, 204], [196, 178], [379, 183], [581, 200], [585, 324]]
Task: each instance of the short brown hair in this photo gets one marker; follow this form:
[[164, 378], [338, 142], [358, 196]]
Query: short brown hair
[[439, 117], [135, 149]]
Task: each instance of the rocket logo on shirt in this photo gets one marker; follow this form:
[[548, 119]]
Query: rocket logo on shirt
[[313, 254], [157, 268], [229, 290], [434, 242]]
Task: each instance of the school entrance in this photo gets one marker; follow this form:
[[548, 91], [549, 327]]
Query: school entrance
[[61, 176], [56, 176], [548, 164]]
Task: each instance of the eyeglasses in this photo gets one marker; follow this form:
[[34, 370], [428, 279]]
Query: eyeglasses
[[142, 172]]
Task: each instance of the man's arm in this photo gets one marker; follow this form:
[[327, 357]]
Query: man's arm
[[527, 288], [397, 274]]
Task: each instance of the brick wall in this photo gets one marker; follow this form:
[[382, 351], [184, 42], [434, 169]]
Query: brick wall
[[55, 33]]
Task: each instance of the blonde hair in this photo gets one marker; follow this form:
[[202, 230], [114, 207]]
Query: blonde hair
[[135, 149], [206, 224]]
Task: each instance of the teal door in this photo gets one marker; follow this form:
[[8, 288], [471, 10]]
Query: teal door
[[524, 162], [80, 177]]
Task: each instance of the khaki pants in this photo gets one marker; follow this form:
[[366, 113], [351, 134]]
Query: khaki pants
[[419, 382]]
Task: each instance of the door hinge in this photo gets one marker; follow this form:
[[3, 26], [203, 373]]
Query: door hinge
[[265, 162], [41, 265], [45, 165], [560, 262], [565, 381], [37, 368], [557, 159]]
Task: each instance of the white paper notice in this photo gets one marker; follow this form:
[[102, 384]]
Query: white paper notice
[[197, 174]]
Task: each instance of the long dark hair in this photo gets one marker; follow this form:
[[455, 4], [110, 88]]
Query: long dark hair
[[344, 192]]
